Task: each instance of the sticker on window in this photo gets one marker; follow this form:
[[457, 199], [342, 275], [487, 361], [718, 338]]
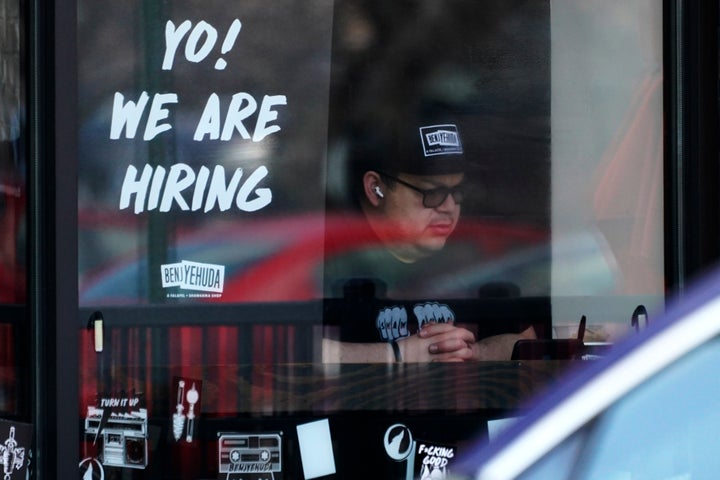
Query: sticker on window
[[193, 276]]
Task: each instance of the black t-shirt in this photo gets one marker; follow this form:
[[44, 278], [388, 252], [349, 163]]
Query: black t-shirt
[[371, 296]]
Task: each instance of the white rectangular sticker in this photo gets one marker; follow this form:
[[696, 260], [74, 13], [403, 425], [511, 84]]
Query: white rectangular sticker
[[203, 277]]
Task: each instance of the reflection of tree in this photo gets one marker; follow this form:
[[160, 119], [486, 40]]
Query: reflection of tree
[[399, 53]]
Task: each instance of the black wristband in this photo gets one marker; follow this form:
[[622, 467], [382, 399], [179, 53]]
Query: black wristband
[[396, 350]]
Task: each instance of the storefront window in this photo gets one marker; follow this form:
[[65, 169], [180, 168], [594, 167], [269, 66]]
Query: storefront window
[[16, 432], [270, 190], [13, 191], [13, 211], [563, 196]]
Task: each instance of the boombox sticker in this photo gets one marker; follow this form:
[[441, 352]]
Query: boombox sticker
[[118, 429], [256, 456]]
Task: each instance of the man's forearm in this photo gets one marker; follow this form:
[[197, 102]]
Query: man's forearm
[[452, 344], [334, 351], [499, 347]]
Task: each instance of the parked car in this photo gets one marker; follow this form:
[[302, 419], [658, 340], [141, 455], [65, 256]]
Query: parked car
[[650, 409]]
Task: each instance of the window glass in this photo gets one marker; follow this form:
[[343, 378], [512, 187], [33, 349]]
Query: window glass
[[208, 172], [607, 164], [664, 429], [667, 428], [478, 105], [269, 189], [201, 150], [13, 211], [13, 191], [163, 163], [560, 462]]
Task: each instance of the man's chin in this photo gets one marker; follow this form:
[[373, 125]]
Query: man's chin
[[434, 245]]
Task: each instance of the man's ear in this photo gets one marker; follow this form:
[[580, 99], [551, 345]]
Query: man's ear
[[372, 187]]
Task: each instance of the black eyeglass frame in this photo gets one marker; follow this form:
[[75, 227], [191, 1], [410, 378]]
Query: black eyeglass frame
[[457, 192]]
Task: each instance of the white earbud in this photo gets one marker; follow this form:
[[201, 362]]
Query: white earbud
[[378, 192]]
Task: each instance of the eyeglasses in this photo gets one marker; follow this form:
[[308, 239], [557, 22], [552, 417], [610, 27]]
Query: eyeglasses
[[433, 197]]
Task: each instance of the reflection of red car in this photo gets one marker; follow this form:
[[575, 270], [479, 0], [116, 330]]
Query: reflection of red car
[[282, 259], [296, 273]]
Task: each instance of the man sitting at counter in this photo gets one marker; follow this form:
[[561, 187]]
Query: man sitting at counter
[[409, 185]]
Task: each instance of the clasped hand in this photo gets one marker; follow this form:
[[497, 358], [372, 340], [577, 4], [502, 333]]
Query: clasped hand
[[439, 342]]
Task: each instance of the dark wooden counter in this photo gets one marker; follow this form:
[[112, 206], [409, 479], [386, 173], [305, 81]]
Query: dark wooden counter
[[405, 387], [288, 389]]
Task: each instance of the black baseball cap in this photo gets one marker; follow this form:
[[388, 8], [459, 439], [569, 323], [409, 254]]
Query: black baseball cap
[[432, 147]]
